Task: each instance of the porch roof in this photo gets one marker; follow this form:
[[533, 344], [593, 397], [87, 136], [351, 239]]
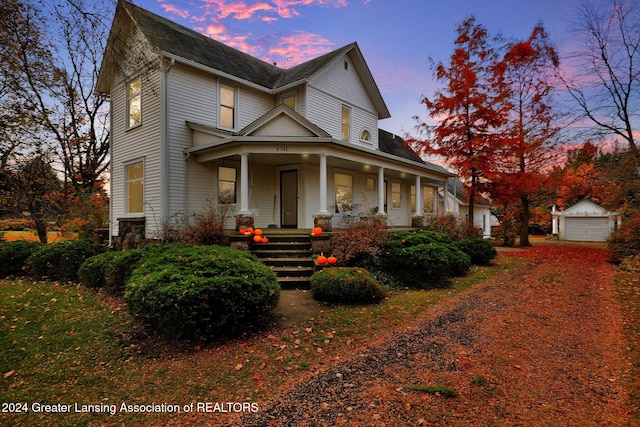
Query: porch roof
[[298, 149]]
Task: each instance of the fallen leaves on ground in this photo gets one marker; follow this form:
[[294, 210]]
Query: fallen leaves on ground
[[541, 344]]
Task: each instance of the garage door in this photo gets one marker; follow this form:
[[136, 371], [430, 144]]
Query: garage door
[[586, 229]]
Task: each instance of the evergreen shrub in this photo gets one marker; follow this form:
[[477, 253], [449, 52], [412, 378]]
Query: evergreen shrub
[[201, 292], [61, 261], [481, 251], [346, 285], [13, 256]]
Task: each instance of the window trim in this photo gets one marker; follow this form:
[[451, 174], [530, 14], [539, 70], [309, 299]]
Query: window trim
[[235, 185], [345, 108], [366, 140], [129, 98], [127, 181], [233, 108]]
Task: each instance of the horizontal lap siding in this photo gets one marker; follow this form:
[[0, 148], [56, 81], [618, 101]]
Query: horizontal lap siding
[[337, 86], [142, 142]]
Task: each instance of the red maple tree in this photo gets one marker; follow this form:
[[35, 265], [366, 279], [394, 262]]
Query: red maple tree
[[463, 108], [525, 147]]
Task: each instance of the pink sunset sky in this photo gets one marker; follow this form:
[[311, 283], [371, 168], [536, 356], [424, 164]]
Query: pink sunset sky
[[397, 37]]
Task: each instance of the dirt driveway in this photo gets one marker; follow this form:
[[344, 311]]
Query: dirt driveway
[[537, 345]]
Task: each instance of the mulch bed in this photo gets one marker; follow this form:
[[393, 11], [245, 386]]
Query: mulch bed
[[540, 344]]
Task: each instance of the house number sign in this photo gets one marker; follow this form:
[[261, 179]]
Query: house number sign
[[281, 148]]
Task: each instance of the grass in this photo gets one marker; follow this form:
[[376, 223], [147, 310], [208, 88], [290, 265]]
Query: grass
[[67, 344], [438, 390], [32, 235]]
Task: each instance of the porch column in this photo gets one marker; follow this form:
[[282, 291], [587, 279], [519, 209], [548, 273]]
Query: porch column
[[322, 218], [419, 206], [323, 184], [244, 184], [381, 191], [554, 221]]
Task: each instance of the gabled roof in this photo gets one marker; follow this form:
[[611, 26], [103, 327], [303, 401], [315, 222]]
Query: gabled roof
[[173, 40], [291, 116]]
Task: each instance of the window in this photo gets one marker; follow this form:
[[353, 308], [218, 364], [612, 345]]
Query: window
[[134, 116], [135, 188], [396, 196], [346, 124], [365, 136], [289, 100], [227, 106], [227, 179], [428, 198], [344, 192]]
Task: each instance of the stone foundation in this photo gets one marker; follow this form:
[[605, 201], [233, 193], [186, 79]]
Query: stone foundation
[[323, 221], [131, 233]]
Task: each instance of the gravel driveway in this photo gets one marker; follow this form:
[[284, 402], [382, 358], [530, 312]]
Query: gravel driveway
[[537, 345]]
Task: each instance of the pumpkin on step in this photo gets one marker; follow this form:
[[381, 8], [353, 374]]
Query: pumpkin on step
[[332, 260], [321, 259], [257, 238], [316, 231]]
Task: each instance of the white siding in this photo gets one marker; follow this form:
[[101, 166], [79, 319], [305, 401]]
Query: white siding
[[337, 86], [252, 105], [140, 143]]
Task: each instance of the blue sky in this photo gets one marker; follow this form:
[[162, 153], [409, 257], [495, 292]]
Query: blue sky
[[396, 36]]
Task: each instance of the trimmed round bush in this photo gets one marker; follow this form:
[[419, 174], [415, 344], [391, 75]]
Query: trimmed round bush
[[346, 285], [13, 256], [481, 251], [61, 261], [424, 259], [110, 270], [201, 292]]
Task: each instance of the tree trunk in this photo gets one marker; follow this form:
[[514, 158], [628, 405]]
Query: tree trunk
[[524, 222], [41, 226]]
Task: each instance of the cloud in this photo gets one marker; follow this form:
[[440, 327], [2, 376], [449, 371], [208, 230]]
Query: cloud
[[172, 9]]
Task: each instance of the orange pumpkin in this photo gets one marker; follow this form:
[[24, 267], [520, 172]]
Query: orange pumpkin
[[332, 260], [316, 231], [250, 230], [257, 232], [321, 259], [264, 240], [257, 239]]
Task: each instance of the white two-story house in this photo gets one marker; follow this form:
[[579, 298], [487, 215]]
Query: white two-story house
[[196, 123]]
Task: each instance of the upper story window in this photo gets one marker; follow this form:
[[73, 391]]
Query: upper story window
[[227, 106], [345, 134], [365, 136], [135, 188], [227, 179], [289, 100], [134, 111]]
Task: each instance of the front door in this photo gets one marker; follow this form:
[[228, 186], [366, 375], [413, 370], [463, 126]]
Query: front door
[[289, 199]]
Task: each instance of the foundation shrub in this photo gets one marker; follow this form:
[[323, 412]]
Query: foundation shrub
[[202, 292], [111, 270], [61, 261], [423, 259], [13, 256], [346, 285], [481, 251]]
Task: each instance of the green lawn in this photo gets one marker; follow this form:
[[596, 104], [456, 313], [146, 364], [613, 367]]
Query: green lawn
[[67, 345]]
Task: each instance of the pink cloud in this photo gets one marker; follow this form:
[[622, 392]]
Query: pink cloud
[[297, 48], [169, 8]]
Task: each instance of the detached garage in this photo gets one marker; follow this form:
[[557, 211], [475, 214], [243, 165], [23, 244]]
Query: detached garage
[[585, 221]]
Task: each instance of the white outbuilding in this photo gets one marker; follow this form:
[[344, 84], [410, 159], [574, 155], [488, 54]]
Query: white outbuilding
[[585, 221]]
